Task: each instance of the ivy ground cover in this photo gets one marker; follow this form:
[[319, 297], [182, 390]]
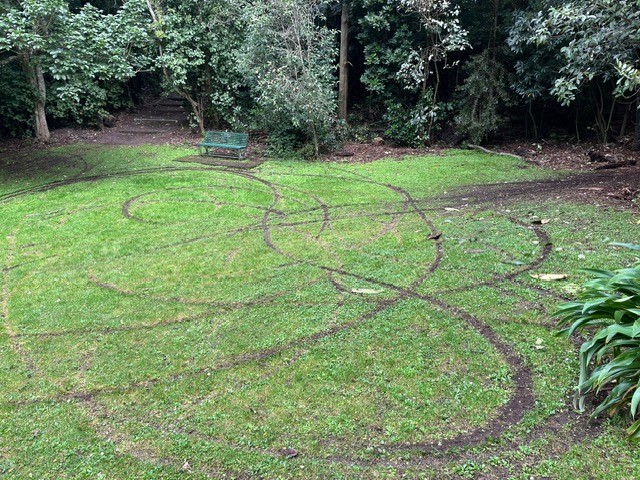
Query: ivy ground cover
[[298, 320]]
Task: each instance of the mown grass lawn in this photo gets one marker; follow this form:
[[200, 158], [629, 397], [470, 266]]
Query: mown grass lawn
[[299, 320]]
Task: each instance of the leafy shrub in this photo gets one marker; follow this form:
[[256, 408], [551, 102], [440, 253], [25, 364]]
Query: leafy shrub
[[283, 142], [356, 132], [401, 130], [288, 62], [76, 102], [16, 101], [289, 145], [86, 103], [410, 127], [482, 97], [610, 360]]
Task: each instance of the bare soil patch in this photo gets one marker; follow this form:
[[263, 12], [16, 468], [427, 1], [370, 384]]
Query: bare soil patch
[[608, 188], [570, 156], [247, 163], [352, 152], [604, 174]]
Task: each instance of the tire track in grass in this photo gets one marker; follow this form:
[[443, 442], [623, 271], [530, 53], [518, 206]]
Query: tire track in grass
[[14, 340], [431, 452], [408, 199], [193, 301], [101, 422], [540, 290], [233, 362], [514, 410], [100, 417]]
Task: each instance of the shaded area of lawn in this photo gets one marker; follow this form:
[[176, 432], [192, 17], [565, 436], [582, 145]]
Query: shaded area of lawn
[[295, 320]]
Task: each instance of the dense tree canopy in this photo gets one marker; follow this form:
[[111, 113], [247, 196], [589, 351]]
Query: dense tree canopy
[[196, 43], [288, 60], [74, 62], [421, 70], [596, 43]]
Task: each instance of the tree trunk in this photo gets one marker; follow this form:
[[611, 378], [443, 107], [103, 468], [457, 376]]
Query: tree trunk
[[196, 107], [494, 30], [152, 11], [316, 140], [36, 79], [343, 83], [533, 122], [625, 120], [42, 128], [636, 133]]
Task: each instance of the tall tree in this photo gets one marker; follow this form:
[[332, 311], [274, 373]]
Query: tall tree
[[445, 35], [343, 82], [73, 52], [28, 30], [289, 62], [423, 67], [599, 47], [197, 42]]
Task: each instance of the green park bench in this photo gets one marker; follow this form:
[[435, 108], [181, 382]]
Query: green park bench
[[230, 141]]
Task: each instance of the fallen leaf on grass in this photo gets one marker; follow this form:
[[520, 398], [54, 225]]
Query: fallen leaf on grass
[[539, 344], [475, 251], [549, 277], [434, 236], [369, 291], [517, 263]]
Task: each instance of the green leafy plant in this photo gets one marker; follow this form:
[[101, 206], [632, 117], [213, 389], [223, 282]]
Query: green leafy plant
[[610, 360], [401, 130], [288, 62], [415, 125], [16, 102], [482, 98], [76, 63]]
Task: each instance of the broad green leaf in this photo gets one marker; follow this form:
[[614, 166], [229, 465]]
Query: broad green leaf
[[635, 400], [634, 430], [630, 246]]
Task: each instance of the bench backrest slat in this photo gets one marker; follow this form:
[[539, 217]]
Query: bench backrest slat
[[227, 138]]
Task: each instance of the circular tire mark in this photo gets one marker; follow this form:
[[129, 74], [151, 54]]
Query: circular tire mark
[[510, 414]]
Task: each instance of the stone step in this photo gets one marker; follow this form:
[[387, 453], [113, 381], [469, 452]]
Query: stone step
[[141, 131], [148, 112], [155, 120], [170, 103], [164, 109]]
